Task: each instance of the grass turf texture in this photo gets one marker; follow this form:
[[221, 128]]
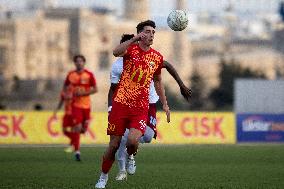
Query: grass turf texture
[[189, 166]]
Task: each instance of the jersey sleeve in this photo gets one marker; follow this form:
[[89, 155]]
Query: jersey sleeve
[[116, 71], [62, 95], [128, 51], [67, 81], [159, 69], [93, 82]]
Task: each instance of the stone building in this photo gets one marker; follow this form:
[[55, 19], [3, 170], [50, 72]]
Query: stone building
[[33, 47], [36, 50], [47, 39]]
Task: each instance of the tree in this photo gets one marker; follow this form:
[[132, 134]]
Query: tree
[[223, 95], [198, 98], [175, 101]]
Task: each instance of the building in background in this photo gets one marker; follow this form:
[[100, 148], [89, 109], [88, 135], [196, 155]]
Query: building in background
[[40, 46], [34, 52], [37, 44]]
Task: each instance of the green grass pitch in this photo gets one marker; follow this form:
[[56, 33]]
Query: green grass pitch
[[184, 166]]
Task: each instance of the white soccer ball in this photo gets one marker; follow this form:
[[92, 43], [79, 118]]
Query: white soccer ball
[[177, 20]]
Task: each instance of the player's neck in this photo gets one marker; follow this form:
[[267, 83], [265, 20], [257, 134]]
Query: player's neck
[[144, 47], [79, 70]]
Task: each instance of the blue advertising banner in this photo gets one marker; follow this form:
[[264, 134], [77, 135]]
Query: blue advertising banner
[[260, 127]]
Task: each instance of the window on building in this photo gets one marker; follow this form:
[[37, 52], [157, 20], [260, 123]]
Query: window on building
[[16, 83], [3, 55], [1, 78], [104, 60], [49, 85], [3, 33]]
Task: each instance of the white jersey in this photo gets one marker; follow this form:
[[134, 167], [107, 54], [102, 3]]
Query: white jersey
[[116, 70]]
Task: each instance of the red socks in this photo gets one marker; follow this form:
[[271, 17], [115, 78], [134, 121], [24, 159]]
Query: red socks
[[69, 135], [106, 165], [76, 141]]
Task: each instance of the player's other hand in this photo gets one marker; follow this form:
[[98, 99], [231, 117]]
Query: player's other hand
[[139, 36], [83, 130], [168, 112], [68, 96], [186, 92], [79, 93]]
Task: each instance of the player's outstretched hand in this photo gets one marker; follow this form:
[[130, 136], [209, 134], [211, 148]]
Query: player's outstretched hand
[[83, 130], [68, 96], [77, 93], [168, 112], [186, 92]]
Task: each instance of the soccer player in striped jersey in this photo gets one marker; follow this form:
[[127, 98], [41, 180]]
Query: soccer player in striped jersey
[[67, 121]]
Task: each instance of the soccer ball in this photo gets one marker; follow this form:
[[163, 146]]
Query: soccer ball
[[177, 20]]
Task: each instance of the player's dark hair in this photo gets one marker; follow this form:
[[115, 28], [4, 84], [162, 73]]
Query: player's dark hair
[[79, 56], [141, 25], [126, 37]]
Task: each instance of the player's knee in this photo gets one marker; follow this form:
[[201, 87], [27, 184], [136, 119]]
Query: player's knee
[[148, 136], [64, 130], [114, 146], [77, 128], [147, 139], [131, 142]]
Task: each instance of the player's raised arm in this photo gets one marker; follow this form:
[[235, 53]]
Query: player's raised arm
[[120, 50], [161, 93], [185, 91]]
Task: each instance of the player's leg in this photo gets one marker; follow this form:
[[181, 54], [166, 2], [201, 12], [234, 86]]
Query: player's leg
[[133, 141], [132, 147], [150, 132], [86, 120], [121, 158], [76, 143], [78, 117], [109, 155], [137, 127], [116, 128], [148, 136], [108, 159], [68, 132], [67, 123], [82, 120], [66, 128]]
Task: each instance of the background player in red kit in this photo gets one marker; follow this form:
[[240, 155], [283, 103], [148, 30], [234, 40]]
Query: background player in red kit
[[130, 104], [67, 122], [84, 84]]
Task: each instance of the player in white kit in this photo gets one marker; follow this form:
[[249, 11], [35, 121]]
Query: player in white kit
[[127, 164]]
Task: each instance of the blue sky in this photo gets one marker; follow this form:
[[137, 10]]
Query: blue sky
[[157, 9], [161, 8]]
